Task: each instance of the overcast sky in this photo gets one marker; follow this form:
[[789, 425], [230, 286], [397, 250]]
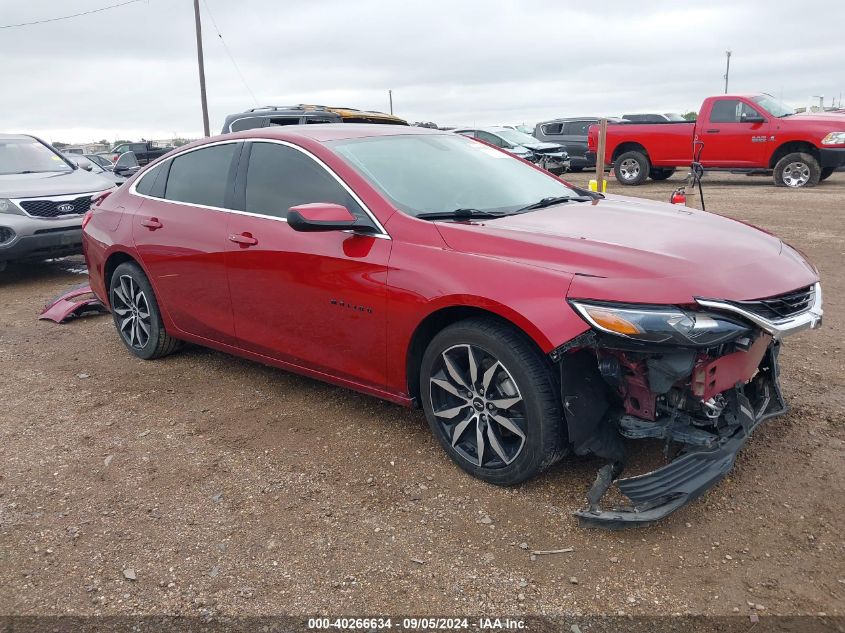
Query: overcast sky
[[130, 72]]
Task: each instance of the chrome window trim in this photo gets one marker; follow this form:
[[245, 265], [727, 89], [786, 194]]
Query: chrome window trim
[[809, 319], [383, 234]]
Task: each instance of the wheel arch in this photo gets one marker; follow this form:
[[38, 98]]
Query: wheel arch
[[628, 146], [445, 316], [793, 146]]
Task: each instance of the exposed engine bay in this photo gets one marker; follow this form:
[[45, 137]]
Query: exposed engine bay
[[700, 393]]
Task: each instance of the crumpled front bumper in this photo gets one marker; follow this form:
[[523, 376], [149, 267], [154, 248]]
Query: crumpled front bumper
[[657, 494]]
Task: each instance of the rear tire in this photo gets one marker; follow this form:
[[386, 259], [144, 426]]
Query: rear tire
[[826, 172], [632, 168], [136, 315], [797, 170], [487, 380], [659, 173]]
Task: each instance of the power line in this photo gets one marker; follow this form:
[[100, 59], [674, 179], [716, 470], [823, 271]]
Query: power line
[[67, 17], [228, 52]]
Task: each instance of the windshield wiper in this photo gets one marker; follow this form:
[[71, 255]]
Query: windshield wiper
[[460, 214], [551, 201]]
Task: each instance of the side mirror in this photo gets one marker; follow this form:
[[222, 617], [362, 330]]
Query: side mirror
[[753, 118], [324, 216]]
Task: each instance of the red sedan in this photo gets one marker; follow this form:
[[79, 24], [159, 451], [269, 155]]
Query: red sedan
[[528, 318]]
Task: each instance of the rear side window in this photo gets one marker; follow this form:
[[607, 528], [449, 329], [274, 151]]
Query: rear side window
[[285, 120], [200, 176], [552, 128], [280, 177], [152, 183], [578, 128]]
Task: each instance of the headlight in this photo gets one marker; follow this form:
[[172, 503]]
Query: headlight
[[7, 206], [834, 138], [669, 325]]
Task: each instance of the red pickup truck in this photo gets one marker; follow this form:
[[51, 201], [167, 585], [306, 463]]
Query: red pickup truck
[[751, 133]]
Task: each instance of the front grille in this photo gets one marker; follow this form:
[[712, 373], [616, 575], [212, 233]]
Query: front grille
[[782, 306], [55, 208]]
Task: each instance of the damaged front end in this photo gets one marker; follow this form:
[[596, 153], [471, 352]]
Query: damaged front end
[[700, 380]]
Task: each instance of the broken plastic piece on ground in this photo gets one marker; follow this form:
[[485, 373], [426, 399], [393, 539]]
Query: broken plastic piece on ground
[[76, 302]]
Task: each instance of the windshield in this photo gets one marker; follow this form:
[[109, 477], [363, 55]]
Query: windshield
[[443, 172], [516, 137], [28, 156], [773, 106]]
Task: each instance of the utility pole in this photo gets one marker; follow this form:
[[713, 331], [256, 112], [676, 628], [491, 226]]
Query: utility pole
[[727, 70], [201, 64], [390, 95]]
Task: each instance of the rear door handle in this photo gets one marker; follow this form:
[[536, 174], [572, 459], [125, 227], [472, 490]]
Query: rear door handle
[[244, 239], [712, 131], [152, 223]]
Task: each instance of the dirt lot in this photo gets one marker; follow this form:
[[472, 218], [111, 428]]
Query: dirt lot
[[231, 488]]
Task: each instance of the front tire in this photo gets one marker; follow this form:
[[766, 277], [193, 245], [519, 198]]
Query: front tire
[[136, 315], [632, 168], [491, 400], [796, 170]]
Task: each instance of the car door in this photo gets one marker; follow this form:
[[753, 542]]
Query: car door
[[575, 136], [730, 138], [180, 235], [313, 299]]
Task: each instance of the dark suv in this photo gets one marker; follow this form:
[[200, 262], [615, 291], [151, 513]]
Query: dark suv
[[571, 132], [301, 114]]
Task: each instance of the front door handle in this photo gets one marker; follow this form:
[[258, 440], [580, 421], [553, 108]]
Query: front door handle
[[244, 239], [712, 131], [152, 223]]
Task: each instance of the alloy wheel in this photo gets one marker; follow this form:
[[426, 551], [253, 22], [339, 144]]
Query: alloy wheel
[[629, 169], [478, 406], [796, 174], [130, 304]]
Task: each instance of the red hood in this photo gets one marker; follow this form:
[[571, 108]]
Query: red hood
[[634, 250]]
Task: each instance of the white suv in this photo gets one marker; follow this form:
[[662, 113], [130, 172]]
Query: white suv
[[43, 197]]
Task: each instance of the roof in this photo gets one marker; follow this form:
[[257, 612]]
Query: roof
[[331, 131]]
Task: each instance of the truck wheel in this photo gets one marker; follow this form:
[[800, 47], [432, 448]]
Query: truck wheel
[[632, 168], [797, 170], [826, 172], [490, 398], [658, 173]]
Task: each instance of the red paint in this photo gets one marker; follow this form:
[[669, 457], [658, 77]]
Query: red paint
[[343, 307], [739, 145], [712, 376]]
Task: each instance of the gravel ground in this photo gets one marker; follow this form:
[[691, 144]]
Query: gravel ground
[[207, 485]]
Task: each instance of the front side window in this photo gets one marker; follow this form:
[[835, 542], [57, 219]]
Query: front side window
[[280, 177], [491, 138], [731, 111], [553, 128], [28, 156], [200, 176], [428, 173], [516, 137], [578, 128]]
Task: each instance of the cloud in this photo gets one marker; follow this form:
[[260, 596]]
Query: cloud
[[131, 72]]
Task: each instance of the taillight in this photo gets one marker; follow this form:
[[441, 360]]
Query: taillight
[[87, 217], [98, 198]]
